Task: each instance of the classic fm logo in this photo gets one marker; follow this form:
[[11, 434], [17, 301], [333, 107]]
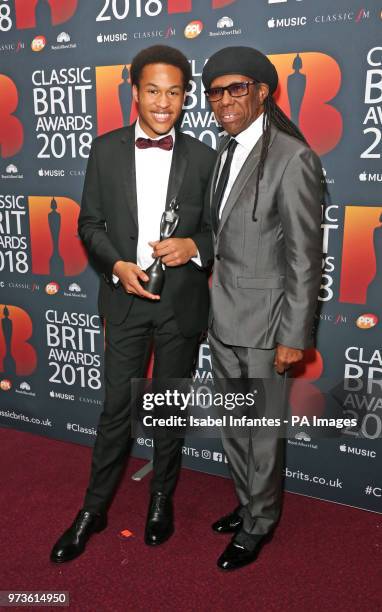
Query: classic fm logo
[[361, 268], [17, 355]]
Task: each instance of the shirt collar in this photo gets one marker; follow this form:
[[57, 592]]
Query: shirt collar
[[249, 137], [139, 133]]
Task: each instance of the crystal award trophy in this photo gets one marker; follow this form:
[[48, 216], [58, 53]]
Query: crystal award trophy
[[156, 272]]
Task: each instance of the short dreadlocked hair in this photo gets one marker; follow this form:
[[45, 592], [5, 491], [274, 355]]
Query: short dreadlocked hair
[[273, 115], [160, 54]]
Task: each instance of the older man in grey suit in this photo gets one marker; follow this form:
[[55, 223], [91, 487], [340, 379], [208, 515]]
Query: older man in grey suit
[[266, 194]]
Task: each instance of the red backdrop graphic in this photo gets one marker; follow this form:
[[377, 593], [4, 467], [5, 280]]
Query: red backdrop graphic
[[305, 398], [61, 11], [186, 6], [358, 266], [22, 352], [70, 247], [320, 122], [11, 129], [110, 81]]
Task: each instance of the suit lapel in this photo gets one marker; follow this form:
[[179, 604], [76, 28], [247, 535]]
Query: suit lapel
[[178, 168], [128, 169], [246, 172], [177, 172]]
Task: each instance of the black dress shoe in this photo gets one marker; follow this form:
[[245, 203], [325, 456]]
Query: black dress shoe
[[160, 521], [72, 543], [238, 555], [231, 523]]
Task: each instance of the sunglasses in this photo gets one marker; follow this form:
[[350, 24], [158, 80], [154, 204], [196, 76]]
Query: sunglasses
[[235, 90]]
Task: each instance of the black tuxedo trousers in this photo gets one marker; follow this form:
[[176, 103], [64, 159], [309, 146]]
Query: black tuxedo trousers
[[127, 351]]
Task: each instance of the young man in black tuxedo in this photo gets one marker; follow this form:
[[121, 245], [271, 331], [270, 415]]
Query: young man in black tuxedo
[[133, 173]]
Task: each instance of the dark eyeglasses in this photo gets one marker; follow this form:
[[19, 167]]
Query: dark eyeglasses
[[235, 90]]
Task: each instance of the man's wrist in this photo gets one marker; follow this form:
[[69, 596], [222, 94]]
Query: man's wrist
[[116, 266], [193, 248]]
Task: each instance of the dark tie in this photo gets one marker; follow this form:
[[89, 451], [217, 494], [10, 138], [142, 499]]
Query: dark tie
[[222, 183], [165, 143]]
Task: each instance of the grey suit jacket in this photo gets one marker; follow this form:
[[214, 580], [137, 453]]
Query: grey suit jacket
[[267, 273]]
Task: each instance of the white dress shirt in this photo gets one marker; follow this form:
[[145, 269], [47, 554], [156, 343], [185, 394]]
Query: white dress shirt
[[246, 141], [152, 173]]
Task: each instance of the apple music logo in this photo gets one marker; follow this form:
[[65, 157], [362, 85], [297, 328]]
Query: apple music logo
[[286, 22], [373, 177], [361, 452]]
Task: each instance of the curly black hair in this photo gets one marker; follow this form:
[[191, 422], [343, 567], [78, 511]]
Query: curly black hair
[[160, 54]]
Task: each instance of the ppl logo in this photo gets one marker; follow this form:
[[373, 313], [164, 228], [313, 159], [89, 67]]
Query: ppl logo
[[38, 43], [52, 288], [193, 29], [34, 13], [5, 385], [307, 84], [56, 248], [305, 398], [361, 268], [115, 105], [367, 321], [17, 356], [11, 128]]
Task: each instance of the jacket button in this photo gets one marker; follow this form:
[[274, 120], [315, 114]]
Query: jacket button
[[217, 256], [132, 237]]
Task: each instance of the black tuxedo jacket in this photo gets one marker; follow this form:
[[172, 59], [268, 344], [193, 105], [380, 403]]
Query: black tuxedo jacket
[[108, 222]]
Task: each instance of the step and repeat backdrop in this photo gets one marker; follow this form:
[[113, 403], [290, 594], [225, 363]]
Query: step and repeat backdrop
[[64, 78]]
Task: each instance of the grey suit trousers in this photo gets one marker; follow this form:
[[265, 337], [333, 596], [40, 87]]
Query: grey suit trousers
[[256, 460]]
